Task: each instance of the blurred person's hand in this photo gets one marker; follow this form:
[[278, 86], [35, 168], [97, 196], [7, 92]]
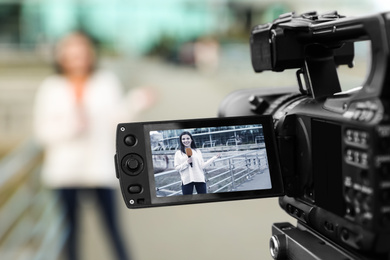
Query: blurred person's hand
[[140, 99]]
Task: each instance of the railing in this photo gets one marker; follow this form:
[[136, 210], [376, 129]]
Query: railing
[[31, 223], [209, 143], [227, 173]]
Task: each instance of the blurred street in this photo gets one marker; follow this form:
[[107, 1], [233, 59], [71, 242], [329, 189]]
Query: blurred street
[[229, 230], [183, 92]]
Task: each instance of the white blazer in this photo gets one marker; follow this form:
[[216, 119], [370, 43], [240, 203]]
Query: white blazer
[[73, 159]]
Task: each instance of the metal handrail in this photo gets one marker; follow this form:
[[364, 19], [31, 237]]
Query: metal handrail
[[234, 168], [32, 225], [16, 160]]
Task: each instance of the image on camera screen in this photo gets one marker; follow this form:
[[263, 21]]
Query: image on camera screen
[[209, 160]]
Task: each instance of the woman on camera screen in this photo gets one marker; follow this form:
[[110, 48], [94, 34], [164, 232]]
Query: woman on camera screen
[[190, 164]]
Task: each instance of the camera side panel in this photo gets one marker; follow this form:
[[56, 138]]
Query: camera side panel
[[131, 165]]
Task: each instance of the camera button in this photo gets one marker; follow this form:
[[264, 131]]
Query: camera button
[[132, 164], [130, 140], [116, 165], [135, 189]]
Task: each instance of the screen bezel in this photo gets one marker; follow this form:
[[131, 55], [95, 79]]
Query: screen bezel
[[272, 155]]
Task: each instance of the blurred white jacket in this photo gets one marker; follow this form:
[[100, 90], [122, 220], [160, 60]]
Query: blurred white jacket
[[75, 157]]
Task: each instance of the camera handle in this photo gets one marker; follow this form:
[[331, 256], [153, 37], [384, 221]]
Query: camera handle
[[319, 68], [374, 28], [319, 73], [301, 242]]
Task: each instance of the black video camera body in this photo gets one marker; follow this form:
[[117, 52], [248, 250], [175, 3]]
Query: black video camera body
[[334, 147], [326, 152]]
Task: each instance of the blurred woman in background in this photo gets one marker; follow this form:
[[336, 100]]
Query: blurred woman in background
[[76, 112]]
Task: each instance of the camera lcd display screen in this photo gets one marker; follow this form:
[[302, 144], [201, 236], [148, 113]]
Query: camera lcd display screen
[[209, 160], [212, 160]]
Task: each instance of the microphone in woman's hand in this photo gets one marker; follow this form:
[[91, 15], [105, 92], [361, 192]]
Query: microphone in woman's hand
[[189, 154]]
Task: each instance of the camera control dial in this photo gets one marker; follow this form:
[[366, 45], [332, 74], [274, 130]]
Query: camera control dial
[[132, 164]]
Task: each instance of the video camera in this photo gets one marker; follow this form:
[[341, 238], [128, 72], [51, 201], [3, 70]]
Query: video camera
[[324, 152]]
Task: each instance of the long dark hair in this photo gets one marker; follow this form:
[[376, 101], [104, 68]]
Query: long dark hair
[[182, 147]]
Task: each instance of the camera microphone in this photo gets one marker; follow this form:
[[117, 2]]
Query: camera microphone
[[189, 154]]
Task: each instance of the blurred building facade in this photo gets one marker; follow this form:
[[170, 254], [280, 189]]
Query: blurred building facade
[[139, 25]]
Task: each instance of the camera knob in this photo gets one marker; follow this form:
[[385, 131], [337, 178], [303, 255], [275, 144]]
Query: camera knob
[[132, 164], [130, 140], [258, 104], [278, 246]]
